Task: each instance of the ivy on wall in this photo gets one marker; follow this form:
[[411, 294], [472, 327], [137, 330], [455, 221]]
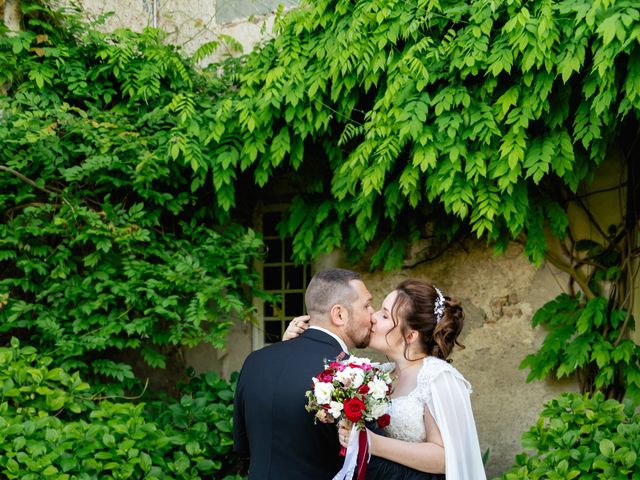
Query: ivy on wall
[[123, 163], [108, 242], [485, 115], [474, 113]]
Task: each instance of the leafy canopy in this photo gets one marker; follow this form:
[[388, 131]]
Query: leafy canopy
[[400, 113]]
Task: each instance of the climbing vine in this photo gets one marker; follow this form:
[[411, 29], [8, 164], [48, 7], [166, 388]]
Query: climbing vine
[[108, 244], [393, 119]]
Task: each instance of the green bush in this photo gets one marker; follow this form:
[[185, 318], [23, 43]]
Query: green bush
[[578, 436], [51, 428], [109, 238], [201, 421]]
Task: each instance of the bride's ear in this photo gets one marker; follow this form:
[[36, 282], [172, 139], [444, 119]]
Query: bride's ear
[[412, 336]]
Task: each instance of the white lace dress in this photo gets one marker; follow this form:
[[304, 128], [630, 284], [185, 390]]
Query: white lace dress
[[446, 393]]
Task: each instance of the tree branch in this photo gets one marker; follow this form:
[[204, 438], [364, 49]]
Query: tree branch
[[573, 273], [29, 181]]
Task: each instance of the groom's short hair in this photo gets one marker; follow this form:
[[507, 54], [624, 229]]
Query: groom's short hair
[[328, 288]]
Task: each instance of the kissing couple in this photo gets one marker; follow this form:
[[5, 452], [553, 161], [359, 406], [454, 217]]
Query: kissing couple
[[432, 432]]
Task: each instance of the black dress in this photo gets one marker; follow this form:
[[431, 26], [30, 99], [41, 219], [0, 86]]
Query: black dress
[[383, 469]]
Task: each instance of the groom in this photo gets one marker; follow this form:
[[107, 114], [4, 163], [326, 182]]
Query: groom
[[270, 423]]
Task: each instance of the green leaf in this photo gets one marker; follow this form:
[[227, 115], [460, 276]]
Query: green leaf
[[607, 447]]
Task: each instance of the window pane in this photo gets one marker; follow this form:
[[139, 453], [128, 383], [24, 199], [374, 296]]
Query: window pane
[[274, 250], [308, 274], [293, 304], [272, 331], [269, 223], [288, 249], [272, 310], [273, 278], [294, 277], [282, 278]]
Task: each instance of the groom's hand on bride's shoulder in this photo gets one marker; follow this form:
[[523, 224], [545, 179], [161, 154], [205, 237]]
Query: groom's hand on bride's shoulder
[[296, 327]]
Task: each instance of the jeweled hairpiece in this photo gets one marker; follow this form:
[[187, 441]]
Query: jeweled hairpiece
[[438, 307]]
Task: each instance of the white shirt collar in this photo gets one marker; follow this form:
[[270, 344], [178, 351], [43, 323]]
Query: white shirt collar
[[338, 339]]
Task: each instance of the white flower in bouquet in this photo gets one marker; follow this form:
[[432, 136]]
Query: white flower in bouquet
[[358, 378], [351, 377], [323, 391], [335, 409], [378, 388], [360, 361], [379, 409]]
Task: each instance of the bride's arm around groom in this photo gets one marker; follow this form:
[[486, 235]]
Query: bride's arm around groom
[[432, 426]]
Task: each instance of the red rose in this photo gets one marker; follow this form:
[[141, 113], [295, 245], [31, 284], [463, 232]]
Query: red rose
[[384, 420], [364, 389], [326, 376], [353, 409]]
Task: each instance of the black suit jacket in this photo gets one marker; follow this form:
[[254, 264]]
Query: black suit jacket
[[270, 423]]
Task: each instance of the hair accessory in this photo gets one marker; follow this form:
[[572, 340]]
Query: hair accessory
[[438, 307]]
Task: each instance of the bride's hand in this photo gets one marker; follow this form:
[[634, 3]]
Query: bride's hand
[[296, 327], [344, 431]]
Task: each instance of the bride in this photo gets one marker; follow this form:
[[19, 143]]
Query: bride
[[432, 427]]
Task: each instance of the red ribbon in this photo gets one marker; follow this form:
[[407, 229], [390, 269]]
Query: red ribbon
[[363, 454]]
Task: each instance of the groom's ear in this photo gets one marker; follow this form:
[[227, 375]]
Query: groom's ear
[[338, 315]]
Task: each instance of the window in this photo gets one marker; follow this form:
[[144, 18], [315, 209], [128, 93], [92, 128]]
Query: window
[[280, 276]]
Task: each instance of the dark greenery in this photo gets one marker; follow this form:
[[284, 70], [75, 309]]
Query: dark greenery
[[50, 427], [109, 240], [578, 436]]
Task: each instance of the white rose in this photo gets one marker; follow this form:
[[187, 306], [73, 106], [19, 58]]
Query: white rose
[[345, 377], [359, 360], [335, 409], [358, 377], [323, 391], [377, 388], [378, 410]]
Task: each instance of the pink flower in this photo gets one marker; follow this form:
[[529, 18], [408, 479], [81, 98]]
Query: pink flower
[[337, 366], [326, 376]]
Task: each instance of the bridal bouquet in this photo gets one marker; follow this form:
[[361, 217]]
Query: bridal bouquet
[[354, 390]]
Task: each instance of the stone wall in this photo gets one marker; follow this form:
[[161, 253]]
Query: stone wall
[[499, 295], [191, 23]]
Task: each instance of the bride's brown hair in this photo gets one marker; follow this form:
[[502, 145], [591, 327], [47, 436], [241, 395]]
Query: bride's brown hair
[[416, 303]]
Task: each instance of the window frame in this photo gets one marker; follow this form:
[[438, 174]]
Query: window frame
[[259, 328]]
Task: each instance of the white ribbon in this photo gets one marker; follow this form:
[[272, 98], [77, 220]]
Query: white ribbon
[[351, 457]]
